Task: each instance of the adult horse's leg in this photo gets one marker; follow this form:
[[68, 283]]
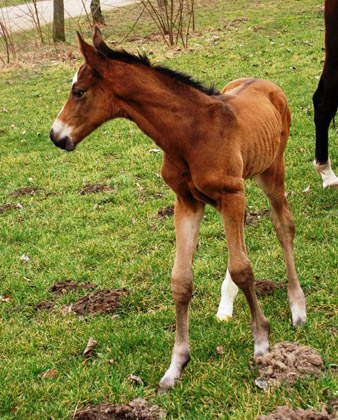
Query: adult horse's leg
[[325, 101], [272, 183], [188, 216], [233, 213]]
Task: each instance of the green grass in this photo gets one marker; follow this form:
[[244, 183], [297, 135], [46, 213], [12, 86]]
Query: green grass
[[109, 238], [7, 3]]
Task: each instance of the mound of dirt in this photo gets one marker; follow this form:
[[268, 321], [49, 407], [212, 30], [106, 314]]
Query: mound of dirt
[[24, 191], [253, 217], [332, 406], [93, 188], [288, 361], [63, 286], [101, 301], [45, 306], [9, 206], [136, 409], [287, 413], [266, 287], [166, 212]]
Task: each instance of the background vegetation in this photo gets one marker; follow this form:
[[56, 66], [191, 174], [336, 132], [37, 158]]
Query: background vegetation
[[115, 239]]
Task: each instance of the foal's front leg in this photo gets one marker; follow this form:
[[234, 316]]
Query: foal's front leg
[[233, 213], [188, 216]]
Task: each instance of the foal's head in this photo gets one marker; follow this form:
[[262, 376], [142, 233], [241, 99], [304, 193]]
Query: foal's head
[[90, 102]]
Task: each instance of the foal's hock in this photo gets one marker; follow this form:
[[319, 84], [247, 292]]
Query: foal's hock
[[212, 141]]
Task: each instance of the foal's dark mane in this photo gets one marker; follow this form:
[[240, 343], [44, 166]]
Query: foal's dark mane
[[126, 57]]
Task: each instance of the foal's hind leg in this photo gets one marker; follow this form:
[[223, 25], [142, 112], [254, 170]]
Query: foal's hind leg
[[325, 101], [188, 216], [272, 183]]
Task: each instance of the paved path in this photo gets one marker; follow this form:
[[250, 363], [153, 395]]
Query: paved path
[[19, 18]]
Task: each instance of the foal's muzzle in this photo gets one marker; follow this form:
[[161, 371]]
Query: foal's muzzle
[[65, 143]]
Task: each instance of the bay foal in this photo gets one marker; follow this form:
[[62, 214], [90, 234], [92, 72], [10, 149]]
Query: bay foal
[[211, 143], [325, 99]]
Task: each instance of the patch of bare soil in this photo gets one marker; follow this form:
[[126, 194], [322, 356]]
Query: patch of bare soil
[[287, 413], [24, 191], [62, 287], [137, 409], [266, 287], [45, 306], [101, 301], [253, 217], [166, 212], [288, 361], [8, 206], [93, 188], [332, 406]]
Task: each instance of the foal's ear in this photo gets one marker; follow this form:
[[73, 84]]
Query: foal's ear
[[97, 37], [90, 54], [99, 43]]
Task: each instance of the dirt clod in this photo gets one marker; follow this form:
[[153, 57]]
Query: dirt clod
[[93, 188], [63, 286], [100, 301], [166, 212], [332, 406], [288, 361], [45, 306], [253, 217], [137, 409], [24, 191], [266, 287], [9, 206], [286, 412]]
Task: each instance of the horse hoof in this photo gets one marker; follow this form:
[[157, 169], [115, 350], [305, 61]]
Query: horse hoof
[[334, 185], [165, 385], [299, 320], [223, 317]]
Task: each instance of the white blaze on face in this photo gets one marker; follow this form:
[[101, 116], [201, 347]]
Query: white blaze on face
[[61, 130], [75, 78]]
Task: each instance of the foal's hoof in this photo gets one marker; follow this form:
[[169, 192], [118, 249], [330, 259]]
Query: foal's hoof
[[165, 385], [223, 317], [333, 185], [298, 312], [298, 320]]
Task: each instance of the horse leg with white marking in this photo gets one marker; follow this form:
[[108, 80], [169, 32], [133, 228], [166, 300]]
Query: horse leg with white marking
[[273, 187], [188, 217], [325, 101]]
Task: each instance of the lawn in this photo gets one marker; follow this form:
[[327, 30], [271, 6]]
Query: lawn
[[116, 239]]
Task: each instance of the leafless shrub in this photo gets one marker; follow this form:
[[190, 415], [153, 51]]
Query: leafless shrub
[[6, 40], [173, 18]]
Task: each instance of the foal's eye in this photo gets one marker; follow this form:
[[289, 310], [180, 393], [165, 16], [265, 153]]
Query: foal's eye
[[78, 93]]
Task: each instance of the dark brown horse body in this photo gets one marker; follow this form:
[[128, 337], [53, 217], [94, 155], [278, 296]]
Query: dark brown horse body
[[211, 143], [325, 99]]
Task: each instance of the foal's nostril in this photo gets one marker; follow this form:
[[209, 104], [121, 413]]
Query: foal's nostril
[[61, 143]]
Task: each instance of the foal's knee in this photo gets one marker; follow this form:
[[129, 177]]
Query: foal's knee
[[181, 285], [242, 275]]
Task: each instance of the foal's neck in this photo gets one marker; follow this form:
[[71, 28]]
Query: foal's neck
[[168, 111]]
